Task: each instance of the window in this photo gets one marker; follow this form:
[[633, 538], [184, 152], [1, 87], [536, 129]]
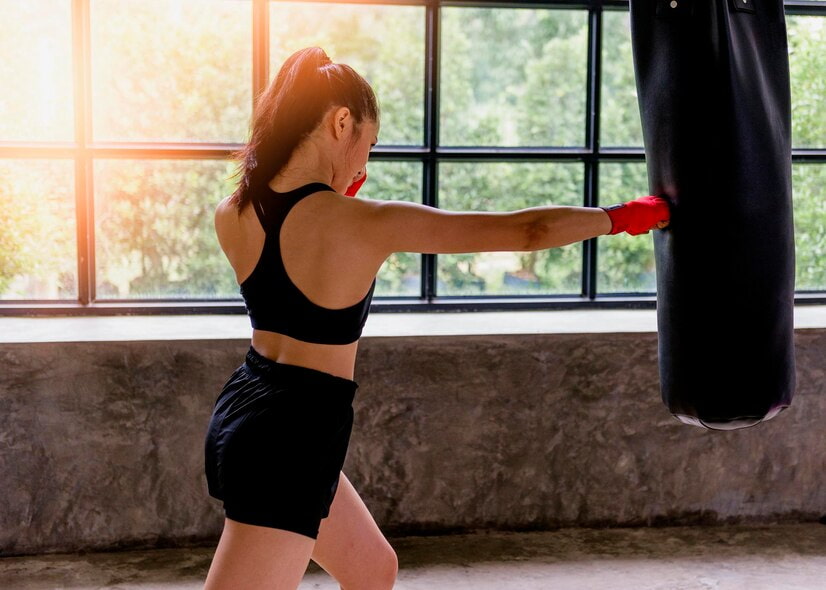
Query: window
[[513, 77], [38, 250], [154, 235], [503, 186], [115, 134]]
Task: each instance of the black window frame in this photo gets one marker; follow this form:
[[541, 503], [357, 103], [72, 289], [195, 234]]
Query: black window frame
[[430, 154]]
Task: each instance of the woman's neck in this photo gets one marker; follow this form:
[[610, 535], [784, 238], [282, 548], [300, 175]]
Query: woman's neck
[[308, 164]]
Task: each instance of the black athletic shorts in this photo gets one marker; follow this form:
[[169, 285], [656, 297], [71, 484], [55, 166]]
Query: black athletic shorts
[[276, 443]]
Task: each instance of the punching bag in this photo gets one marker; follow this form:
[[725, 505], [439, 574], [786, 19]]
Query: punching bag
[[713, 85]]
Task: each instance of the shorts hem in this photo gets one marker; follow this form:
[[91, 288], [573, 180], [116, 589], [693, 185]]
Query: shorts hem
[[272, 523]]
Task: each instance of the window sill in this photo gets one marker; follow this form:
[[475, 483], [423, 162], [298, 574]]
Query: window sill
[[228, 327]]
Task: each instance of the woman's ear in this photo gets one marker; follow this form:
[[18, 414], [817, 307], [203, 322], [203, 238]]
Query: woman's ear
[[342, 120]]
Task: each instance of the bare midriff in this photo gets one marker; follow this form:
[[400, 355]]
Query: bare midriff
[[335, 359]]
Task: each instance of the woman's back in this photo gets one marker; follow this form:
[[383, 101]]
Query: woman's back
[[321, 259]]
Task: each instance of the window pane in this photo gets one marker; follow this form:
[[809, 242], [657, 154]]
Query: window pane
[[507, 187], [36, 45], [513, 77], [171, 71], [401, 273], [809, 182], [807, 60], [38, 248], [625, 263], [385, 44], [154, 229], [620, 123]]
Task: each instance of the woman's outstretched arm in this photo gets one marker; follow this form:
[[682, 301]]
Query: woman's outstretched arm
[[396, 226]]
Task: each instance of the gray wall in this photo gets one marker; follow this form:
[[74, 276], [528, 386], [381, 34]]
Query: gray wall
[[101, 444]]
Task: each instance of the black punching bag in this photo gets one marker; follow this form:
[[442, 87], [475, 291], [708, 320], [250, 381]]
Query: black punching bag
[[713, 85]]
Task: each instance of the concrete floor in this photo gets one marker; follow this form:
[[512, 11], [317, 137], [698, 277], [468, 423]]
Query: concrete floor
[[777, 557]]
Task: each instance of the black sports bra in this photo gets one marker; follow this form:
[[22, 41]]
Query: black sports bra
[[273, 301]]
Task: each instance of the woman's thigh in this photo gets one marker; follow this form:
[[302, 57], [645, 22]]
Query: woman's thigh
[[350, 546], [251, 557]]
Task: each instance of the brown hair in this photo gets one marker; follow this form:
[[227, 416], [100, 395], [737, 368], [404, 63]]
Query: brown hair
[[293, 105]]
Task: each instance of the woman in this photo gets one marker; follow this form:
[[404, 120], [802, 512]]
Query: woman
[[306, 258]]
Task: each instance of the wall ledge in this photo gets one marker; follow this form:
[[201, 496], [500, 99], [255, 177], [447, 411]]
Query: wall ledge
[[229, 327]]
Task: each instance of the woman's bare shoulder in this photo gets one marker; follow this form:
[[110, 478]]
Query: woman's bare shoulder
[[225, 210], [236, 232], [228, 219]]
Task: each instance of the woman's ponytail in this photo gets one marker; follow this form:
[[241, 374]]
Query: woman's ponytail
[[306, 86]]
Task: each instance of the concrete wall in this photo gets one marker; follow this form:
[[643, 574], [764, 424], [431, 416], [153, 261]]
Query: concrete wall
[[101, 444]]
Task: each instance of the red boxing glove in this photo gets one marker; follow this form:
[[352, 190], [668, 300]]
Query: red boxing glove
[[638, 216], [354, 188]]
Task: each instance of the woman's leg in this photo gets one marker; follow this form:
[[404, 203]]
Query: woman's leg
[[251, 557], [350, 546]]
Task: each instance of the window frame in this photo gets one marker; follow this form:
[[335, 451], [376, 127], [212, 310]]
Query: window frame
[[430, 154]]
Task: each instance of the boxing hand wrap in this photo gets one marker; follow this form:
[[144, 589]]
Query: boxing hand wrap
[[354, 188], [638, 216]]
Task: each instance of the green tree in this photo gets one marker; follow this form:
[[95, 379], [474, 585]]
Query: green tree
[[38, 257], [809, 182], [14, 225]]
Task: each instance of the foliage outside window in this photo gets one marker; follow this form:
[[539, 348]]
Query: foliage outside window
[[166, 79]]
